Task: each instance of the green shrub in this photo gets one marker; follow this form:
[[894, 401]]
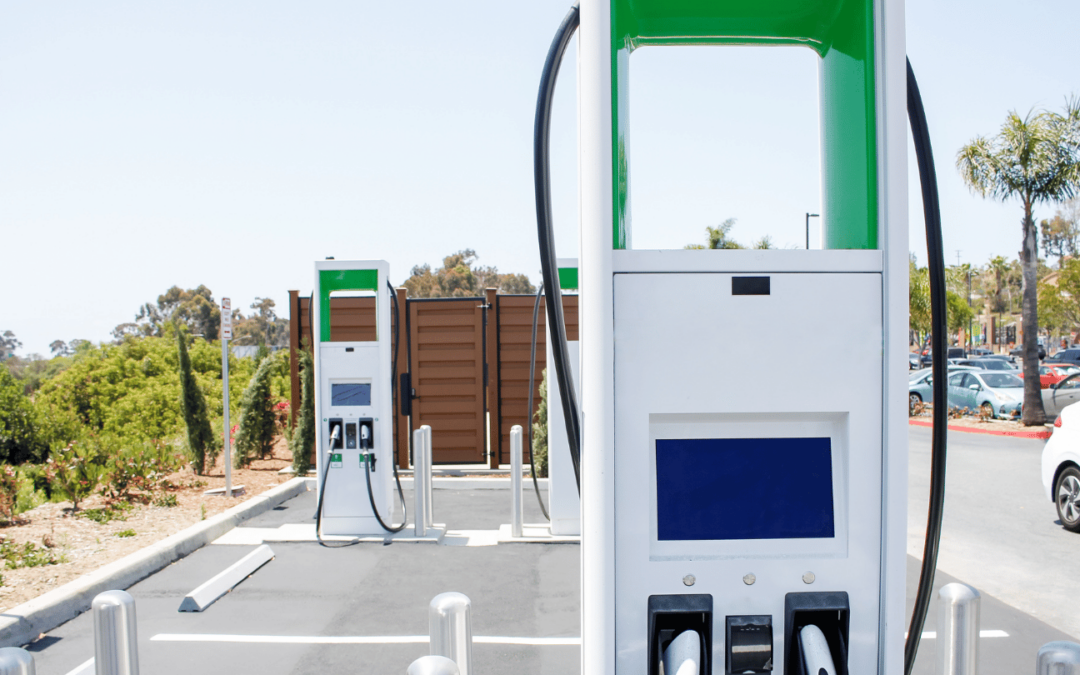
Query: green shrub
[[76, 471], [202, 441], [26, 555], [126, 533], [116, 511], [258, 421], [21, 439], [302, 438], [166, 500], [9, 492], [143, 467], [540, 432]]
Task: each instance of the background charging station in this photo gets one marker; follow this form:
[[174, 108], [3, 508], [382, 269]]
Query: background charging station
[[353, 390], [768, 519], [564, 503]]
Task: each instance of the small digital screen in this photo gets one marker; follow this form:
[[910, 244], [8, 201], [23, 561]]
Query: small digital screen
[[744, 488], [350, 394]]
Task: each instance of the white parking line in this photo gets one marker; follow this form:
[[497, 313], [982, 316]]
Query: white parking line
[[356, 639], [932, 635], [85, 669]]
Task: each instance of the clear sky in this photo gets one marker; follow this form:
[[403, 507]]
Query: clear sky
[[231, 144]]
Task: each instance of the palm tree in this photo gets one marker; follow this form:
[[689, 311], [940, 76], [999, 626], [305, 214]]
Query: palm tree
[[1035, 159]]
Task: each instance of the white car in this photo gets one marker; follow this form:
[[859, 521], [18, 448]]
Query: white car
[[1061, 467]]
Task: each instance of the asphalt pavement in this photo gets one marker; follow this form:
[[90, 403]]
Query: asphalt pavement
[[363, 609]]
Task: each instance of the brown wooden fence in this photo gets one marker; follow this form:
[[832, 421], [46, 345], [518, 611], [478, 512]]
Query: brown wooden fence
[[462, 374]]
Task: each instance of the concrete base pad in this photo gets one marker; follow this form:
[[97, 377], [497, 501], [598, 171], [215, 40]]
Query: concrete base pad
[[535, 534], [301, 532]]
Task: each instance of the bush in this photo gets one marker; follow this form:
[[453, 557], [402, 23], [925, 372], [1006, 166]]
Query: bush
[[302, 439], [540, 432], [258, 420], [143, 467], [76, 471], [20, 434], [202, 441], [9, 493]]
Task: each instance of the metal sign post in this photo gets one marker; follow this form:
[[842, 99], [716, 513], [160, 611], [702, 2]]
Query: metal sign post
[[226, 335]]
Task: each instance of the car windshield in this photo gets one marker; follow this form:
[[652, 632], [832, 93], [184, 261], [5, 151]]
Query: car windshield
[[1001, 380]]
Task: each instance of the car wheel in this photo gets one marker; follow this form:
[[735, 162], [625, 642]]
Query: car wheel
[[987, 409], [913, 402], [1067, 498]]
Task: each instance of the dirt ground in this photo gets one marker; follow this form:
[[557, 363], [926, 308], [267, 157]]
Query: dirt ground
[[975, 422], [85, 545]]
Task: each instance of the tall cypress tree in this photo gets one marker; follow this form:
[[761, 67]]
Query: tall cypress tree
[[255, 438], [202, 441], [302, 439]]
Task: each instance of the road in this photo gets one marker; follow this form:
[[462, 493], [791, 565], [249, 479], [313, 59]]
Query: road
[[1000, 533]]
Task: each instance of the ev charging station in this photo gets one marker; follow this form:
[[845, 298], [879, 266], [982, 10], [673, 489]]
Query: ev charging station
[[564, 503], [754, 521], [353, 404]]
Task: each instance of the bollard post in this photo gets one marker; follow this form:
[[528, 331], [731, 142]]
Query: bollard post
[[516, 506], [958, 630], [433, 665], [116, 648], [1058, 658], [450, 628], [429, 518], [420, 475], [16, 661]]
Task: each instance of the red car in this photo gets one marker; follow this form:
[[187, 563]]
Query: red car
[[1051, 375]]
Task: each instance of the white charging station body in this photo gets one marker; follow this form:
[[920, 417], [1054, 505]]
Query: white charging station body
[[797, 381], [353, 388], [564, 503]]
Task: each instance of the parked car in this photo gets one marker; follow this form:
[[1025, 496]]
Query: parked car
[[998, 394], [952, 354], [1061, 467], [980, 351], [987, 364], [1051, 375], [1061, 395], [1019, 352], [1070, 356], [956, 353], [1001, 357], [914, 361], [921, 385]]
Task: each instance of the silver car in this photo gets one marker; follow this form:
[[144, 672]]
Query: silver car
[[998, 394]]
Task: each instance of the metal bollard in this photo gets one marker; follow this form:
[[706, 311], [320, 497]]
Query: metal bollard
[[516, 506], [958, 630], [16, 661], [1058, 658], [450, 628], [433, 665], [420, 477], [116, 646], [429, 518]]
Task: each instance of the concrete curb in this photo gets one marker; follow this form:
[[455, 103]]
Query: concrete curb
[[20, 625], [1038, 435]]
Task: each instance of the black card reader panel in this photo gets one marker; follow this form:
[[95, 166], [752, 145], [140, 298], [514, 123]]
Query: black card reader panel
[[670, 615]]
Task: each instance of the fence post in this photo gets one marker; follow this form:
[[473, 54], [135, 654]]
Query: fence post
[[516, 506], [450, 628], [958, 630], [420, 475], [116, 648], [429, 517], [433, 665], [1058, 658], [16, 661]]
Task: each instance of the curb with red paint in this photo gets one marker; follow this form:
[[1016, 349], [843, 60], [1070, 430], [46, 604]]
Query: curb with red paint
[[1039, 435]]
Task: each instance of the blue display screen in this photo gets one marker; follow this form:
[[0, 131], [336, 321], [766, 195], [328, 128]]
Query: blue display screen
[[350, 394], [744, 488]]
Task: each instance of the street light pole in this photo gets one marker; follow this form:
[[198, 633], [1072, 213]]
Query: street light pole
[[808, 217]]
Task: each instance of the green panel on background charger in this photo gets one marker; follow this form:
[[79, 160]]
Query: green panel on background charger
[[568, 278], [842, 34], [342, 280]]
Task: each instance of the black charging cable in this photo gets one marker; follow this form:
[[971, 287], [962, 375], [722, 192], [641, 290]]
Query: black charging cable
[[939, 330], [532, 387], [371, 457], [546, 235], [335, 434]]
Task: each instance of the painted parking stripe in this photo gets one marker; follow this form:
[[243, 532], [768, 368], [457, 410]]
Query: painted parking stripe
[[932, 635], [85, 669], [357, 639]]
